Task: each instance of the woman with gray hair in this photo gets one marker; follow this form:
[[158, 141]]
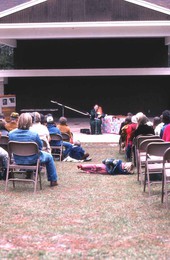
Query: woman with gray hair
[[24, 134]]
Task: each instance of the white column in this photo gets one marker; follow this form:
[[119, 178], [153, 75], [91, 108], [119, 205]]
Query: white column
[[1, 86]]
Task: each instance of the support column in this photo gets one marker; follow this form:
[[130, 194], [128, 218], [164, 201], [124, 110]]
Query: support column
[[1, 86]]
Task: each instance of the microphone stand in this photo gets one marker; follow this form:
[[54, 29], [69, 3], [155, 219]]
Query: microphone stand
[[63, 106]]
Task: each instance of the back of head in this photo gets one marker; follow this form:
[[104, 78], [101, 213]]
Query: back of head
[[143, 120], [128, 120], [63, 120], [36, 117], [166, 116], [14, 116], [50, 119], [2, 116], [24, 121], [156, 121]]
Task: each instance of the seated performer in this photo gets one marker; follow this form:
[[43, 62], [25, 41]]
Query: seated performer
[[108, 166]]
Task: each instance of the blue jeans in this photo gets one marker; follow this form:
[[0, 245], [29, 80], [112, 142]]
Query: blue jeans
[[67, 147], [47, 159]]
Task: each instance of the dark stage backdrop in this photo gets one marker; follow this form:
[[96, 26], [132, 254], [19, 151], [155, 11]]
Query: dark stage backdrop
[[117, 95]]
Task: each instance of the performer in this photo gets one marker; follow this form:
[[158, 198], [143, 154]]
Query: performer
[[96, 115]]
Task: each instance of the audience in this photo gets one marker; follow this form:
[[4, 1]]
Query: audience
[[24, 134]]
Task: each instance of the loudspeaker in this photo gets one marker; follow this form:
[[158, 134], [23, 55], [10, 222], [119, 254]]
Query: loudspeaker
[[85, 131]]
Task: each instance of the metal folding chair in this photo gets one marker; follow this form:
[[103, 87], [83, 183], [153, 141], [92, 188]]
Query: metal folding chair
[[154, 163], [18, 173], [56, 150], [166, 177]]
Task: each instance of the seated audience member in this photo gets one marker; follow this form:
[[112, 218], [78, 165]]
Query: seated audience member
[[53, 129], [108, 166], [157, 124], [41, 129], [4, 160], [165, 120], [143, 128], [3, 130], [13, 121], [24, 134], [129, 137], [122, 132], [64, 128], [166, 133], [78, 153]]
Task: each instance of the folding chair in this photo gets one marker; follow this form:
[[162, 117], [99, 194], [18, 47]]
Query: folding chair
[[141, 156], [56, 150], [65, 137], [166, 177], [17, 173], [4, 142], [135, 148], [154, 163]]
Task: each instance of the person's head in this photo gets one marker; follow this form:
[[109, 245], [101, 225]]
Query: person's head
[[129, 114], [2, 116], [156, 121], [143, 120], [96, 107], [128, 120], [50, 119], [2, 123], [166, 116], [63, 120], [139, 115], [14, 116], [77, 142], [36, 117], [24, 121]]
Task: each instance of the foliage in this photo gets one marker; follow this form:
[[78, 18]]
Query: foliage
[[6, 57]]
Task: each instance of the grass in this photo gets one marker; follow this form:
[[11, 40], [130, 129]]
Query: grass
[[88, 216]]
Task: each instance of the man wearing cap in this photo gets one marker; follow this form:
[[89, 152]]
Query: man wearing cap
[[13, 121], [53, 129]]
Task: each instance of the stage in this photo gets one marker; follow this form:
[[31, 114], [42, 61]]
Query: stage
[[81, 123]]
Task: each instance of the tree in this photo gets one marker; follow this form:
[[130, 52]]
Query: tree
[[6, 57]]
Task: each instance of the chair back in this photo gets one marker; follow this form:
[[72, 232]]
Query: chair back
[[157, 148], [4, 139], [56, 150], [141, 138], [65, 137], [56, 137], [23, 149]]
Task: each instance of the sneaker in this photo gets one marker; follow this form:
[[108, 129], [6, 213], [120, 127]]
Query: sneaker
[[87, 159]]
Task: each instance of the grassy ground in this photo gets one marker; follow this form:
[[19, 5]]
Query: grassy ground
[[88, 216]]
